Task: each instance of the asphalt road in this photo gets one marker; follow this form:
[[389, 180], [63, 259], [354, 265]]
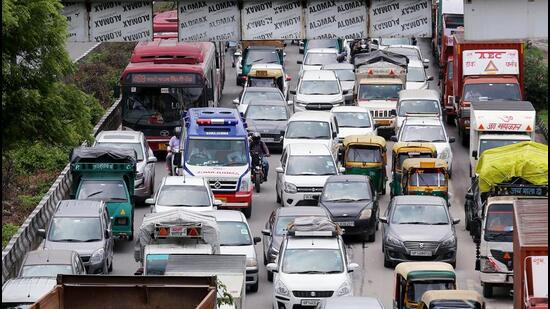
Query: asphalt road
[[372, 279]]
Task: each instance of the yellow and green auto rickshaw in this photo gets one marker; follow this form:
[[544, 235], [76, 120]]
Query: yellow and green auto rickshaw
[[366, 155], [436, 299], [413, 279], [401, 152], [425, 176], [268, 75]]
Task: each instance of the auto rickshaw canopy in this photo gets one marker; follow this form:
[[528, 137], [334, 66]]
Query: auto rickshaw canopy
[[367, 139], [412, 270], [424, 163], [414, 147], [525, 160], [265, 70], [466, 295]]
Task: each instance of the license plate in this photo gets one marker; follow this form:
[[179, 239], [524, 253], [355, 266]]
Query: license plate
[[268, 140], [261, 73], [383, 122], [346, 223], [311, 196], [421, 253], [178, 231], [162, 146], [310, 302]]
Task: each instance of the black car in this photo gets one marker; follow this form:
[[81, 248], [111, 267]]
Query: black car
[[268, 118], [352, 203]]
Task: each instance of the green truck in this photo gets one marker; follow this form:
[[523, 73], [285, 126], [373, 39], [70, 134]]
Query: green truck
[[107, 174]]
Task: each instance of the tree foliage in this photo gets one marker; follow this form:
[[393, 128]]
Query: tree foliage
[[536, 78]]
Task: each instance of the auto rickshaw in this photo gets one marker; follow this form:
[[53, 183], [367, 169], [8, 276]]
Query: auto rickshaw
[[365, 155], [401, 152], [451, 299], [425, 176], [412, 279], [268, 75]]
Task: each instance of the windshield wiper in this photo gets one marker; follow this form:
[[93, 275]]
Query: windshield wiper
[[310, 272], [440, 223], [257, 60], [234, 164], [90, 240], [413, 222], [498, 234], [340, 200], [302, 137], [117, 199], [95, 193], [67, 240]]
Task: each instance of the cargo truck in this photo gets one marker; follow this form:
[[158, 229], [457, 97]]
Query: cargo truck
[[449, 17], [499, 123], [446, 80], [483, 71], [257, 52], [531, 258], [121, 292]]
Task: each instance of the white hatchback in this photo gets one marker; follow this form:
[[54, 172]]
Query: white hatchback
[[353, 120], [183, 192]]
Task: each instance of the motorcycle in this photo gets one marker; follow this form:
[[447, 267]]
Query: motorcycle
[[173, 168], [257, 174]]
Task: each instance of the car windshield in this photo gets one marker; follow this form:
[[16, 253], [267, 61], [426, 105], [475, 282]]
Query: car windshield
[[330, 43], [262, 96], [428, 177], [416, 289], [103, 190], [134, 146], [352, 191], [480, 92], [234, 234], [416, 74], [319, 87], [261, 82], [189, 196], [46, 270], [485, 144], [411, 53], [217, 152], [420, 214], [379, 92], [364, 154], [423, 133], [499, 224], [69, 229], [308, 130], [320, 58], [254, 56], [345, 75], [353, 119], [310, 165], [312, 261], [418, 107], [266, 112]]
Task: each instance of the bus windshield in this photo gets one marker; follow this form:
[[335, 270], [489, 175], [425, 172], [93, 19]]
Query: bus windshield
[[217, 152]]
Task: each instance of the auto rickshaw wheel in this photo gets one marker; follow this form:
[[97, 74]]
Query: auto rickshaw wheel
[[487, 290], [387, 262]]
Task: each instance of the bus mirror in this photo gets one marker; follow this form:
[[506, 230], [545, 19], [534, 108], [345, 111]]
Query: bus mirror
[[116, 91]]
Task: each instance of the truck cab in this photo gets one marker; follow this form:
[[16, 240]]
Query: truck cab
[[107, 174]]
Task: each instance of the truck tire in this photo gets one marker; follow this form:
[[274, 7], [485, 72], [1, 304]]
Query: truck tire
[[387, 262], [269, 276], [449, 119], [254, 287], [464, 138], [278, 198], [248, 211], [487, 290]]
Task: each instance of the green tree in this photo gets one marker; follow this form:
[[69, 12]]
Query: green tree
[[536, 78]]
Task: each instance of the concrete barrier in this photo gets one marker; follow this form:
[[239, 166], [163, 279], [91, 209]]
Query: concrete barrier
[[26, 238]]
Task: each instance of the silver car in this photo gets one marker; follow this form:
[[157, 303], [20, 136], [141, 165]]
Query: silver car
[[345, 73], [50, 263], [144, 184], [85, 227], [21, 293]]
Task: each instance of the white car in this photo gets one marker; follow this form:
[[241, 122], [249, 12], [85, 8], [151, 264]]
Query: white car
[[183, 192], [259, 81], [250, 94], [353, 120], [312, 127], [315, 58], [235, 238], [311, 268], [144, 184], [318, 90], [411, 51], [303, 172], [346, 75], [416, 75], [428, 130], [418, 103]]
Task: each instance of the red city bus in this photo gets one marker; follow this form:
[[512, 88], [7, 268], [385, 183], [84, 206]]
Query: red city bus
[[165, 25], [163, 79]]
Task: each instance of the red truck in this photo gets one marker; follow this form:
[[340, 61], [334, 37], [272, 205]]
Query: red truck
[[482, 71], [530, 255]]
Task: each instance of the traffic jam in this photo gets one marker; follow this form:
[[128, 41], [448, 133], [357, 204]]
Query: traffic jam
[[357, 149]]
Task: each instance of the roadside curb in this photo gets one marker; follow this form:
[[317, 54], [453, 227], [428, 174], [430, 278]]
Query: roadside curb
[[542, 127]]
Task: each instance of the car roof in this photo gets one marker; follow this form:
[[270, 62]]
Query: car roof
[[349, 178], [303, 149], [268, 103], [418, 94], [353, 302], [262, 89], [430, 121], [322, 51], [312, 243], [419, 199], [347, 108], [79, 208], [119, 136], [226, 215], [50, 256], [338, 66], [26, 290], [301, 211], [319, 75], [311, 116], [266, 66], [183, 181]]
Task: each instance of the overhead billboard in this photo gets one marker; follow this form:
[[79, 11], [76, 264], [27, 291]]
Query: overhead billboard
[[400, 18], [126, 21], [77, 20], [277, 19], [216, 20], [333, 19]]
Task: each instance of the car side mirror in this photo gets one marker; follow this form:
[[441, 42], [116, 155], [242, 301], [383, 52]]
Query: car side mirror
[[292, 91], [217, 203], [288, 78], [376, 126], [344, 92], [299, 61], [284, 54], [152, 159], [42, 233], [150, 201], [393, 138], [116, 91], [107, 235], [289, 102], [451, 140], [430, 78], [139, 272], [266, 232], [237, 54], [474, 154], [352, 267], [279, 169], [177, 158], [236, 101], [272, 267], [342, 169], [456, 221], [393, 113], [383, 219], [257, 240]]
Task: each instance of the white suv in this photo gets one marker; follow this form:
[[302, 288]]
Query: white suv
[[318, 90], [312, 266], [303, 172]]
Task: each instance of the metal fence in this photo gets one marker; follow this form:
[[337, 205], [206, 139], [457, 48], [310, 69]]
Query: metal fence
[[27, 238], [542, 127]]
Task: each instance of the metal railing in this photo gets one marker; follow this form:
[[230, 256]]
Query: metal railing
[[27, 238]]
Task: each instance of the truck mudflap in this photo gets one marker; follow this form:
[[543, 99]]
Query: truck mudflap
[[158, 143], [235, 199]]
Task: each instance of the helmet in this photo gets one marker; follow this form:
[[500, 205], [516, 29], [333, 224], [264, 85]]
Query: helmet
[[177, 131], [256, 137]]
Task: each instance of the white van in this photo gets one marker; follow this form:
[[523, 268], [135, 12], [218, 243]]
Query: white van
[[318, 90], [417, 103], [312, 127]]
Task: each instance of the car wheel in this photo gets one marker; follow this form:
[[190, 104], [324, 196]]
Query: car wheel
[[449, 119], [387, 262], [372, 237], [453, 264], [110, 269], [450, 172], [278, 198], [105, 269], [269, 276], [248, 211], [487, 290], [254, 287]]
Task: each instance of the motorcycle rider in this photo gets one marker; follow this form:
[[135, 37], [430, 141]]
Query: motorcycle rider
[[258, 146], [174, 143]]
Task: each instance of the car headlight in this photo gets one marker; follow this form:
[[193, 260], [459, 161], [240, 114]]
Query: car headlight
[[365, 214], [139, 176], [392, 240], [245, 185], [290, 188], [445, 154], [344, 289], [281, 289], [300, 103], [251, 262], [449, 242], [97, 256]]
